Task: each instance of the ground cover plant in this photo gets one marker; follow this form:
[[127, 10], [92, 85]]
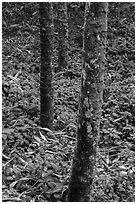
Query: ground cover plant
[[37, 167]]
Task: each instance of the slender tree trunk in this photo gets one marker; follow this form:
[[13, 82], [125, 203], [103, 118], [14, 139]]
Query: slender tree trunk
[[46, 74], [94, 42], [62, 36]]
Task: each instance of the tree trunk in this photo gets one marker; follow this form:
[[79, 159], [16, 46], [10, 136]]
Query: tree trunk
[[62, 36], [46, 74], [94, 42]]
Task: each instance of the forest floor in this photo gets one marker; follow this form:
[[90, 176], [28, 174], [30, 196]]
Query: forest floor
[[37, 162]]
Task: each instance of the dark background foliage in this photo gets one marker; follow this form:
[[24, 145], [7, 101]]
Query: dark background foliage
[[36, 167]]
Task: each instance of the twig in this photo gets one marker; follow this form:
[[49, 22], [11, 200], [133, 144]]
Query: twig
[[69, 137], [7, 162]]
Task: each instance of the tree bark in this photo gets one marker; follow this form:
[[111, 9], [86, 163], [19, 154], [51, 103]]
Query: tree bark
[[94, 43], [46, 74]]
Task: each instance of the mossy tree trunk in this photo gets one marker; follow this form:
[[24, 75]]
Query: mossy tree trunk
[[94, 42], [46, 74], [62, 24]]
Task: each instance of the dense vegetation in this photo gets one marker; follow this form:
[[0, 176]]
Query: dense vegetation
[[35, 167]]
